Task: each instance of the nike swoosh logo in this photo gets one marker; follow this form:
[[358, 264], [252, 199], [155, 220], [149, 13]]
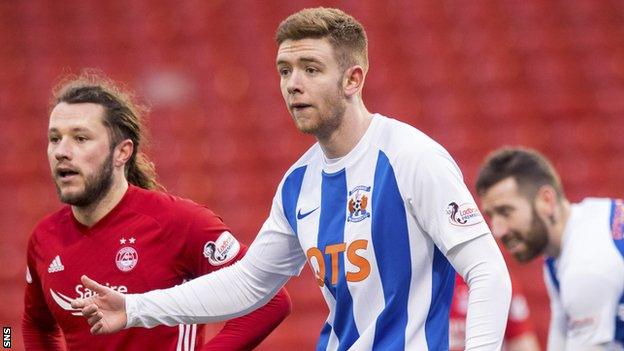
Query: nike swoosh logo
[[304, 215]]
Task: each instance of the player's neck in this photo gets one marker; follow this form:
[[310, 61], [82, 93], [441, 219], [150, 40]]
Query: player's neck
[[557, 230], [341, 141], [90, 215]]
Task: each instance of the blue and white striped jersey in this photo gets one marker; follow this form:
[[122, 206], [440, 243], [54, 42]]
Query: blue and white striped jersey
[[586, 282], [375, 227]]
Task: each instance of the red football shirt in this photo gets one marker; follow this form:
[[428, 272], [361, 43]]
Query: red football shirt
[[150, 240], [518, 321]]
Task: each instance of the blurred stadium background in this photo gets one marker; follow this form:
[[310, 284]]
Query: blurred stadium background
[[475, 75]]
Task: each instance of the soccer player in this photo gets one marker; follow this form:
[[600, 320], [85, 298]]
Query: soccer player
[[581, 243], [378, 210], [117, 229], [519, 334]]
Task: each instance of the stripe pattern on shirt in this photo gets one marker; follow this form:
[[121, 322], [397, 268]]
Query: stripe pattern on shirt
[[186, 337]]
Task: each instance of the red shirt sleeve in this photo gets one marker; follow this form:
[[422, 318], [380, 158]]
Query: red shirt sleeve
[[246, 332], [39, 328], [210, 246]]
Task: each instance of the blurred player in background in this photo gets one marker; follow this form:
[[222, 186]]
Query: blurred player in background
[[376, 207], [118, 229], [519, 334], [582, 245]]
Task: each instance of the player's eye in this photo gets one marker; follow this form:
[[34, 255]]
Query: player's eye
[[504, 212], [283, 71]]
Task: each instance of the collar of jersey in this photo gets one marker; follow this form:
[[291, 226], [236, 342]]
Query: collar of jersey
[[568, 228], [356, 153], [107, 218]]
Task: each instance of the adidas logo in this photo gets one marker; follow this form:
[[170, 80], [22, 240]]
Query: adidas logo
[[56, 265]]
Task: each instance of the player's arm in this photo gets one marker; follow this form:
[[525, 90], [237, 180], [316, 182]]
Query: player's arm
[[225, 294], [246, 332], [210, 246], [445, 209], [39, 328], [482, 266], [230, 292]]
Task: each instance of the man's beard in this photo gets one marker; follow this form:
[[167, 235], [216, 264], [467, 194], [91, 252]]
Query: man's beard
[[332, 120], [96, 186], [535, 240]]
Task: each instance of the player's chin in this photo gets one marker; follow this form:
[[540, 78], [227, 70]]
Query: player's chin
[[71, 196], [307, 125], [524, 256]]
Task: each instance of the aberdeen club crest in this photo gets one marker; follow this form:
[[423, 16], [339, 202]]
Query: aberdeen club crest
[[126, 258], [358, 203]]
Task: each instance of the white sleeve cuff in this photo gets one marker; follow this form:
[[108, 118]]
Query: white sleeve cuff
[[131, 311]]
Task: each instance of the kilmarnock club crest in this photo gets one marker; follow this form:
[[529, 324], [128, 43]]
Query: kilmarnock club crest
[[358, 201]]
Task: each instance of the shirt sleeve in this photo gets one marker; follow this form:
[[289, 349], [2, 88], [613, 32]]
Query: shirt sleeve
[[441, 202], [39, 328], [482, 266], [211, 246], [276, 249], [209, 243], [227, 293], [272, 258], [246, 332]]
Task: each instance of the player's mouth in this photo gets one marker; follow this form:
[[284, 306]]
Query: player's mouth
[[513, 243], [299, 106], [66, 174]]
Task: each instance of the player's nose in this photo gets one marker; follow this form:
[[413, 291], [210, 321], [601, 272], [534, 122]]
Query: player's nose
[[499, 227], [62, 150], [294, 83]]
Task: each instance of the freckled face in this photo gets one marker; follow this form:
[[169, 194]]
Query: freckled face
[[311, 85]]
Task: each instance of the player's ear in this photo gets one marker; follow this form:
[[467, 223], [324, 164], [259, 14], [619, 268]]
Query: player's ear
[[546, 200], [123, 152], [353, 80]]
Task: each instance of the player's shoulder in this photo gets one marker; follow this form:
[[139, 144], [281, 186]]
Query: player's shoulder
[[410, 151], [400, 140], [312, 157], [588, 248], [50, 230], [163, 206], [595, 205], [588, 218], [52, 223]]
